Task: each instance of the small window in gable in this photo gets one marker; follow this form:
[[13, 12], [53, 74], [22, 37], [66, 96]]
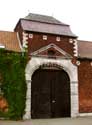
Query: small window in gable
[[57, 38], [44, 37], [31, 35], [51, 53]]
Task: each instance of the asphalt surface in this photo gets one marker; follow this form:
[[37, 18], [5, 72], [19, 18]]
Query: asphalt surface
[[58, 121]]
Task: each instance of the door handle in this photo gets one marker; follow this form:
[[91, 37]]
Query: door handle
[[53, 101]]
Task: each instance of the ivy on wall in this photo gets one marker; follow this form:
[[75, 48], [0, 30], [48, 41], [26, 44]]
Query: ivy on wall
[[13, 85]]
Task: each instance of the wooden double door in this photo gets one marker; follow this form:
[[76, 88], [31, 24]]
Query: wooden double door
[[50, 94]]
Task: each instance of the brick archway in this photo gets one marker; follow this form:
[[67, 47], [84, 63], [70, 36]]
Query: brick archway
[[67, 66]]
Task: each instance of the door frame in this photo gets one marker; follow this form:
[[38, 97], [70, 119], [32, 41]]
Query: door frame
[[66, 64], [46, 77]]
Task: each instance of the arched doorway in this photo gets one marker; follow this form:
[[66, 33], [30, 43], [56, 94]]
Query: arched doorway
[[67, 66], [50, 94]]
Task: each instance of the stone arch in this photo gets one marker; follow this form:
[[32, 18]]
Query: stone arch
[[67, 66]]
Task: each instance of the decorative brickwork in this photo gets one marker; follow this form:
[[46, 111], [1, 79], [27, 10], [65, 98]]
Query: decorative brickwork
[[37, 43], [25, 40], [75, 48]]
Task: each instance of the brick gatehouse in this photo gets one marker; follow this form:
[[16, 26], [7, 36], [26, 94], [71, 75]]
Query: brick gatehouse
[[59, 71]]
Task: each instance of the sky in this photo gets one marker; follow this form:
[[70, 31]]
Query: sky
[[76, 13]]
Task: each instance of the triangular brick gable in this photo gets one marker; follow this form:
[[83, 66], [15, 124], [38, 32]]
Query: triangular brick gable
[[51, 47]]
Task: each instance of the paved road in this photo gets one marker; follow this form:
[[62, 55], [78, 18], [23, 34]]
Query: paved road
[[61, 121]]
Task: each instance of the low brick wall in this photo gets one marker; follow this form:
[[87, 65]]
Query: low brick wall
[[85, 86]]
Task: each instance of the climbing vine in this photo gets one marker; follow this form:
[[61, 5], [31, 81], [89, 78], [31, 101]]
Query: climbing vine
[[13, 85]]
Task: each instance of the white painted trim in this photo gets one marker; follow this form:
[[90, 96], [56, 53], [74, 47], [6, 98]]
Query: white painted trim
[[49, 46], [85, 114], [19, 42], [24, 34], [67, 66], [45, 37], [75, 48], [31, 35], [58, 38], [78, 63], [70, 40], [24, 41]]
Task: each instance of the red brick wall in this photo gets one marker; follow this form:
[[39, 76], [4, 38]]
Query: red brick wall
[[85, 86], [37, 42]]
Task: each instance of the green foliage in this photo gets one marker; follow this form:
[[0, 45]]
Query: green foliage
[[12, 77]]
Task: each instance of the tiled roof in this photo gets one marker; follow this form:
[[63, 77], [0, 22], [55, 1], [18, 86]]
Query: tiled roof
[[10, 41], [45, 24], [43, 18], [35, 26], [85, 49]]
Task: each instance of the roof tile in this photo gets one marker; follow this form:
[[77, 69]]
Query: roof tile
[[85, 49], [10, 41], [43, 18], [45, 24], [33, 26]]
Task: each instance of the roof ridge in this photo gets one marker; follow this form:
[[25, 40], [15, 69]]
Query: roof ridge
[[44, 22], [7, 31], [43, 18], [39, 14], [84, 41]]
